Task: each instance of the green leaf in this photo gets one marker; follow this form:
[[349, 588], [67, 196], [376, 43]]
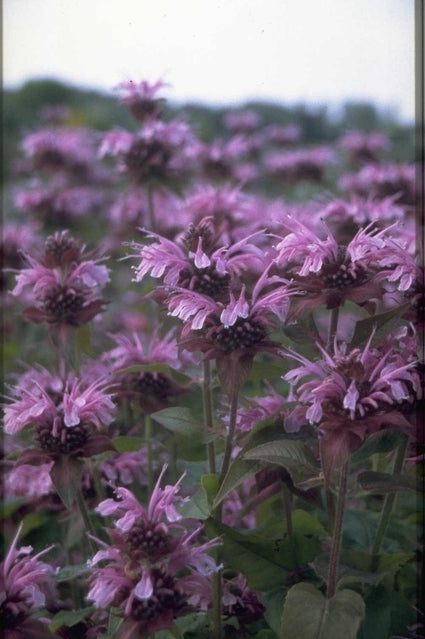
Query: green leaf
[[307, 614], [210, 486], [305, 523], [67, 573], [239, 470], [387, 483], [273, 603], [295, 456], [83, 339], [66, 476], [260, 560], [69, 618], [179, 419], [125, 444], [384, 323], [381, 442]]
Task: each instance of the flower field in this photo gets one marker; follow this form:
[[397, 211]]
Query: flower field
[[213, 382]]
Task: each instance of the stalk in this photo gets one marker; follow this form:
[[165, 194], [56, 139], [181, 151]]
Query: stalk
[[149, 462], [287, 507], [388, 506], [337, 533], [151, 208], [208, 416], [86, 519], [333, 327], [230, 434]]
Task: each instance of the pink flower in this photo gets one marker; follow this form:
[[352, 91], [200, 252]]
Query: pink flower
[[141, 98], [147, 576], [62, 283], [159, 151], [351, 395], [63, 419], [300, 164], [329, 273], [27, 585], [242, 121]]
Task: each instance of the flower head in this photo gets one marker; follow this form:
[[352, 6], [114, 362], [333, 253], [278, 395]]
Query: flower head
[[64, 417], [351, 395], [27, 585], [141, 98], [144, 576]]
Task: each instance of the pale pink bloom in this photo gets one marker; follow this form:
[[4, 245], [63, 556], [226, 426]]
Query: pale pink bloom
[[242, 121], [31, 482], [283, 135], [141, 97]]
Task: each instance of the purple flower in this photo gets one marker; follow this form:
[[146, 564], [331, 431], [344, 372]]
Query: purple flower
[[63, 418], [62, 283], [301, 164], [351, 395], [240, 601], [151, 388], [140, 97], [159, 152], [220, 158], [27, 586], [329, 273], [146, 576], [363, 147], [383, 181], [201, 264], [59, 150], [241, 121], [283, 135]]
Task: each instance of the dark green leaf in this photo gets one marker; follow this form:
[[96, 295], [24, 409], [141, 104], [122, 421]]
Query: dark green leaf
[[179, 419], [67, 573], [66, 476], [69, 618], [387, 483], [293, 455], [307, 614], [381, 442], [260, 560], [210, 486], [384, 323], [239, 470], [124, 444], [273, 603], [83, 339]]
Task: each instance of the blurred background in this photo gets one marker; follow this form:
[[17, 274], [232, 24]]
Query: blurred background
[[328, 65]]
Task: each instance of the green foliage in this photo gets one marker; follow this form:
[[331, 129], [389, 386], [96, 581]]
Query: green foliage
[[326, 618]]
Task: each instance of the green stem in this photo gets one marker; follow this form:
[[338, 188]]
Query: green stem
[[337, 533], [388, 506], [149, 462], [216, 625], [208, 415], [230, 434], [86, 519], [333, 327], [287, 507]]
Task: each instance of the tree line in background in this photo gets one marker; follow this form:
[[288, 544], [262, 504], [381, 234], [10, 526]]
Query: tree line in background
[[94, 109]]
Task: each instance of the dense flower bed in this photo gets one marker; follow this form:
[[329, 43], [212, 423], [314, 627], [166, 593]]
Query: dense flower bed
[[212, 409]]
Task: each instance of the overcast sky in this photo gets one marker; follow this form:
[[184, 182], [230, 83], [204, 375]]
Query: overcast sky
[[313, 51]]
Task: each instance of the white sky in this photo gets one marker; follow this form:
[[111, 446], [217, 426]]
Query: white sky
[[228, 51]]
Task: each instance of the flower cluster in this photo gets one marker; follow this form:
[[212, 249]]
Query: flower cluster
[[62, 283], [155, 569]]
